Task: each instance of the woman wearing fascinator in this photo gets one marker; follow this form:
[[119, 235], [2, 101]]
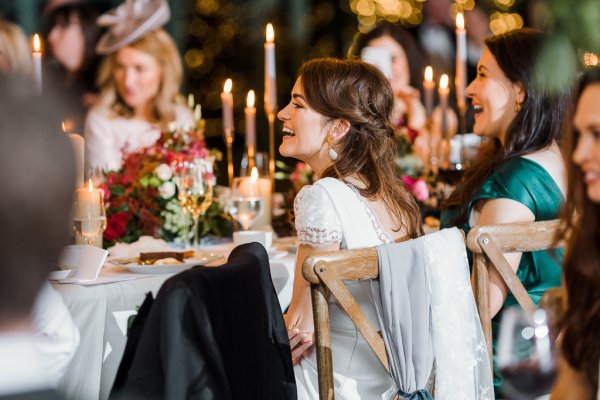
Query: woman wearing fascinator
[[139, 83]]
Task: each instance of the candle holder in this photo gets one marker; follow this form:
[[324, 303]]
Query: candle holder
[[228, 138]]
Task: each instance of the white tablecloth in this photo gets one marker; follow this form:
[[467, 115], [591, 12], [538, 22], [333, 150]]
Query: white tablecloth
[[101, 312]]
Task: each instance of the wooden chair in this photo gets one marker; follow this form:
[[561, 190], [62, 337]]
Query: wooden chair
[[488, 243], [327, 272]]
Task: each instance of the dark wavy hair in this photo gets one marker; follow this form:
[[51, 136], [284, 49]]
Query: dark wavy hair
[[357, 92], [581, 229], [536, 125], [414, 55], [87, 14]]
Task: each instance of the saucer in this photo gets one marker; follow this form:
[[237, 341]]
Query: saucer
[[60, 274], [275, 253]]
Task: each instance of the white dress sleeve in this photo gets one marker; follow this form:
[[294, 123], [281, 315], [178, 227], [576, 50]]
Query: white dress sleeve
[[56, 333], [102, 149], [317, 222]]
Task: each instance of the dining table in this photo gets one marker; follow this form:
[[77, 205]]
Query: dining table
[[102, 308]]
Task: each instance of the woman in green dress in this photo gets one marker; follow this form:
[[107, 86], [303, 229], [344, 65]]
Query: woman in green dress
[[521, 175]]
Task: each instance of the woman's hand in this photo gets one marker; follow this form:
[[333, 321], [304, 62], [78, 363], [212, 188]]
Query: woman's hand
[[300, 330], [299, 319], [412, 106], [300, 343]]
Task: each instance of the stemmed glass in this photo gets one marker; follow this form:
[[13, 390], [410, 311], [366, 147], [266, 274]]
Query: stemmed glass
[[244, 206], [195, 191], [526, 354], [89, 216]]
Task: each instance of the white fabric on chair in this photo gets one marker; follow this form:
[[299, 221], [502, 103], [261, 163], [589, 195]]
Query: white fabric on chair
[[461, 359]]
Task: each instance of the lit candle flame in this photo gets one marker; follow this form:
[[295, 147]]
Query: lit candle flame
[[254, 174], [270, 33], [460, 21], [37, 46], [428, 73], [228, 85], [250, 99], [64, 128], [444, 82], [90, 186]]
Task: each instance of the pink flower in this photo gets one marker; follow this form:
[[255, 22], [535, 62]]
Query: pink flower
[[417, 187], [420, 190]]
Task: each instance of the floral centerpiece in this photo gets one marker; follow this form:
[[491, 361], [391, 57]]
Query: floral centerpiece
[[428, 189], [141, 197]]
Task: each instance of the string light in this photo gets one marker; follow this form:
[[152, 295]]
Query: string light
[[369, 12], [505, 22]]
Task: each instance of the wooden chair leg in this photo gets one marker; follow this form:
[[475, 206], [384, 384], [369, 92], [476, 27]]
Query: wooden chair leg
[[481, 285], [323, 341]]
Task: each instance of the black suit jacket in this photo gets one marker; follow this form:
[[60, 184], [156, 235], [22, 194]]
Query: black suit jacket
[[213, 333]]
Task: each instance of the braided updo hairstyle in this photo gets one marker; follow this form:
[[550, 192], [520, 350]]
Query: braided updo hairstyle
[[357, 92]]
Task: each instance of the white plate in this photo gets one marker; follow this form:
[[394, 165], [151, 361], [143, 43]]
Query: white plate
[[205, 258]]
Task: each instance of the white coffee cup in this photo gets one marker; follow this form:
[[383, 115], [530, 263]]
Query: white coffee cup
[[262, 237]]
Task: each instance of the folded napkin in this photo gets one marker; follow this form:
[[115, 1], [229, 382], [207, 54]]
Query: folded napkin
[[142, 245]]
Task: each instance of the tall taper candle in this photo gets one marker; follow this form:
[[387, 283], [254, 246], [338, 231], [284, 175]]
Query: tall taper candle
[[250, 112], [227, 105], [461, 62], [443, 92], [270, 74], [428, 87], [37, 63]]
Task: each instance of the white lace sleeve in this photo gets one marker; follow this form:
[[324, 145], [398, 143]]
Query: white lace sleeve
[[317, 223]]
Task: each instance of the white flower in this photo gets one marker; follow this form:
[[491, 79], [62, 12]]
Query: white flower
[[167, 190], [164, 172]]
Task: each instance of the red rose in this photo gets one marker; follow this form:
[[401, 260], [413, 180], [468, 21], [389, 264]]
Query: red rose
[[116, 225]]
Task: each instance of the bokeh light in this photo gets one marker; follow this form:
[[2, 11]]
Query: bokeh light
[[370, 12], [505, 22]]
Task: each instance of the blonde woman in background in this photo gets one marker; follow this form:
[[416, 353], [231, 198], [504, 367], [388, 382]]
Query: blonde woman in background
[[15, 52], [139, 85]]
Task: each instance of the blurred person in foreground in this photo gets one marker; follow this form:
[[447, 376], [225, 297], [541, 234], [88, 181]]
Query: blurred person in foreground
[[58, 337], [580, 341], [37, 160], [139, 83]]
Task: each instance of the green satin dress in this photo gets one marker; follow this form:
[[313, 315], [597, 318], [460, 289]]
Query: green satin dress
[[527, 182]]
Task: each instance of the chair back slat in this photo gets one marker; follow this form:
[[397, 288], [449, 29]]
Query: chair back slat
[[327, 272], [335, 283], [509, 277], [488, 244], [516, 237]]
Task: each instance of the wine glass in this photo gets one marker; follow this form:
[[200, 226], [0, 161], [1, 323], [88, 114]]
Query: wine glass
[[244, 205], [526, 354], [89, 216], [195, 191]]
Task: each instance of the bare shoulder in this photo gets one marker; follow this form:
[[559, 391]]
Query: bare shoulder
[[551, 159]]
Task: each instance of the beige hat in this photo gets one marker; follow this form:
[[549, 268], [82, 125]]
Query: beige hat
[[129, 22]]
